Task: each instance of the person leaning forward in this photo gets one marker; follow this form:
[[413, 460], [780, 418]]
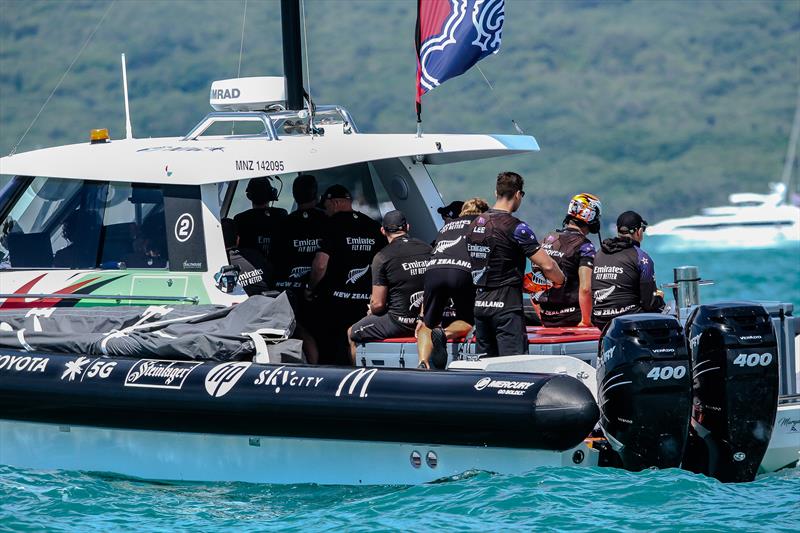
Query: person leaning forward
[[624, 277], [398, 272], [498, 244], [448, 280], [340, 273]]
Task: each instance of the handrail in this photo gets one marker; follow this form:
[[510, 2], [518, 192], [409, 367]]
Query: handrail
[[233, 116], [191, 299]]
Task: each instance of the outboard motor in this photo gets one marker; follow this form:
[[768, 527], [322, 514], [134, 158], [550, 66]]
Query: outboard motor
[[644, 390], [735, 367]]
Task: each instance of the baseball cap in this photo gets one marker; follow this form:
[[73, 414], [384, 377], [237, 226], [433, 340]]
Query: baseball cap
[[451, 210], [630, 221], [336, 191], [394, 221]]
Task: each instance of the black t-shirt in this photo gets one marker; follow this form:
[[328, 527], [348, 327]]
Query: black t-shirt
[[450, 249], [254, 274], [570, 249], [498, 245], [623, 281], [257, 227], [352, 239], [294, 247], [400, 266]]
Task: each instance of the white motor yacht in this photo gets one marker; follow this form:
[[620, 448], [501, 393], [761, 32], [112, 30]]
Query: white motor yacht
[[750, 221]]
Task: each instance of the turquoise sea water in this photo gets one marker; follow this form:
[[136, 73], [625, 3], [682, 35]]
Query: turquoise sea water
[[550, 499]]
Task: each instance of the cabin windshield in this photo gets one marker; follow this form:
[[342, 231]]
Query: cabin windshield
[[369, 195], [61, 223]]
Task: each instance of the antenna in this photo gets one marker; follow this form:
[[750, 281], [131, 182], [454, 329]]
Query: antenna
[[128, 130]]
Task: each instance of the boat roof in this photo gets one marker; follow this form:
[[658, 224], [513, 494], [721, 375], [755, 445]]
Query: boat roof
[[216, 159]]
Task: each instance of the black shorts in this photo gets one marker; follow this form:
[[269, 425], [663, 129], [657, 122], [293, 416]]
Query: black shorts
[[500, 322], [373, 328], [563, 317], [442, 285]]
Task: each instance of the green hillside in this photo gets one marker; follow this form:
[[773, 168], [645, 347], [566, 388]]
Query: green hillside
[[655, 105]]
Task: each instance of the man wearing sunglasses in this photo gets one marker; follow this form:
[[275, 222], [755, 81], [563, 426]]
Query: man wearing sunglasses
[[623, 277], [499, 244]]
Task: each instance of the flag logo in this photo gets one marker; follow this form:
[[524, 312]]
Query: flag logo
[[453, 35]]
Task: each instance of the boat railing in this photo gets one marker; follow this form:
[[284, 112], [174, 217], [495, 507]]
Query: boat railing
[[116, 297], [287, 121], [233, 116]]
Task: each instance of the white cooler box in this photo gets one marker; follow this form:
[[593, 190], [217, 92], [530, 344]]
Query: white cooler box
[[580, 343]]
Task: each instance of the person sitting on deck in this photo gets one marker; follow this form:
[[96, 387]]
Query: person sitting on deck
[[397, 283]]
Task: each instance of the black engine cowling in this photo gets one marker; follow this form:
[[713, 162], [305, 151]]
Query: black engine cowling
[[735, 367], [644, 390]]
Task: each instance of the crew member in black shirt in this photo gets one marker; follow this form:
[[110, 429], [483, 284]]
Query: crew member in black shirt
[[257, 226], [253, 271], [398, 272], [293, 250], [447, 279], [340, 273], [299, 238], [571, 305], [624, 277], [498, 244]]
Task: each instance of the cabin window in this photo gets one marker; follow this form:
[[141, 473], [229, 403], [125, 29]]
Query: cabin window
[[134, 231], [60, 223], [369, 196]]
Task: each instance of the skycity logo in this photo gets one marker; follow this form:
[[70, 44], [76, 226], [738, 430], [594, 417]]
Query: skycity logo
[[221, 379], [283, 377]]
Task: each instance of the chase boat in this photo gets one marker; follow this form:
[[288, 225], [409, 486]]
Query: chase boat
[[136, 353]]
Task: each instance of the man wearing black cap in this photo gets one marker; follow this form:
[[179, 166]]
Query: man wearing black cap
[[340, 273], [398, 273], [498, 245], [451, 211], [257, 226], [623, 278]]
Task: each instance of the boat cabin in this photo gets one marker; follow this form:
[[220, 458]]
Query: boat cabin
[[137, 221]]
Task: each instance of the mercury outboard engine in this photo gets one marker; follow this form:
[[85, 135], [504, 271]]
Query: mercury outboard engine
[[644, 390], [735, 366]]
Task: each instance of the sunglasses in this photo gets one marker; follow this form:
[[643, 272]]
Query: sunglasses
[[521, 194]]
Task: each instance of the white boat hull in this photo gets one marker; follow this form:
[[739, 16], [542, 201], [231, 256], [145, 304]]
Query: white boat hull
[[158, 455]]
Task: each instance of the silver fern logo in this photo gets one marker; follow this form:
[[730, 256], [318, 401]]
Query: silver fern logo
[[299, 272], [356, 274], [415, 300], [441, 246], [602, 294], [477, 275]]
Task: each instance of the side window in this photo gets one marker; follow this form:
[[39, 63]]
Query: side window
[[59, 223], [54, 223], [134, 232]]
